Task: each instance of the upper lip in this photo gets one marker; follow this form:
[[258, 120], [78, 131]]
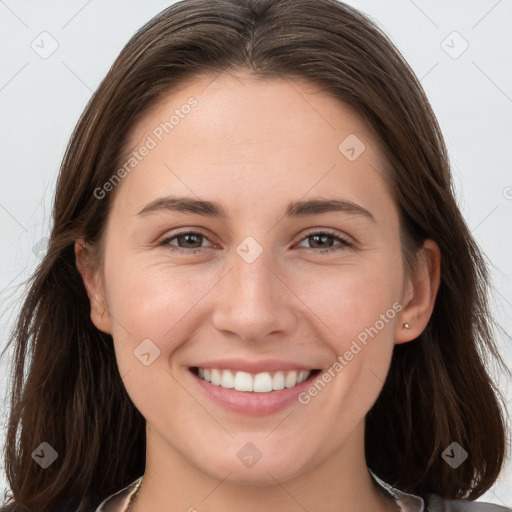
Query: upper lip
[[265, 365]]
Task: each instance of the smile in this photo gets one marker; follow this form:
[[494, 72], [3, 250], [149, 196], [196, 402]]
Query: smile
[[263, 382]]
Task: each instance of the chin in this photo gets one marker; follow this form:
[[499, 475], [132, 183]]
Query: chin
[[249, 466]]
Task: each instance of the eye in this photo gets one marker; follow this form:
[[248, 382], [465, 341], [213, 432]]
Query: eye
[[188, 242], [323, 241]]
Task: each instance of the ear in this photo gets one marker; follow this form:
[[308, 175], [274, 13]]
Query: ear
[[420, 293], [91, 277]]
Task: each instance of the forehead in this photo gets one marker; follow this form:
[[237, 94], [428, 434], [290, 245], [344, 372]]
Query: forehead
[[253, 110], [237, 136]]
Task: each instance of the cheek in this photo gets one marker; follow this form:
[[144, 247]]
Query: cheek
[[154, 312], [351, 299], [355, 312], [150, 301]]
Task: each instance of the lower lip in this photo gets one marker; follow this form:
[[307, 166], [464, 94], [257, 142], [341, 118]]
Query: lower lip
[[250, 403]]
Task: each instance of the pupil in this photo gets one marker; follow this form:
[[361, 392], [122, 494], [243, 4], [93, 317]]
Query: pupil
[[189, 239], [317, 237]]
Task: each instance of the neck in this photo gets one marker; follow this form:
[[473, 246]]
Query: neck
[[340, 482]]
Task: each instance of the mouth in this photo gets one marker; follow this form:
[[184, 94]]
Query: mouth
[[262, 382], [252, 387]]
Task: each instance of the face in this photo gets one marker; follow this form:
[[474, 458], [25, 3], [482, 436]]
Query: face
[[253, 243]]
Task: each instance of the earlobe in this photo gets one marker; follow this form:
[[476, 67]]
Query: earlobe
[[420, 295], [91, 278]]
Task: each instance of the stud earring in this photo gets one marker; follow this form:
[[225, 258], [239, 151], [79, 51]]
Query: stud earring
[[406, 326]]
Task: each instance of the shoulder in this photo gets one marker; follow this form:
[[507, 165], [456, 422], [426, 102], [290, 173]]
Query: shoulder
[[436, 504]]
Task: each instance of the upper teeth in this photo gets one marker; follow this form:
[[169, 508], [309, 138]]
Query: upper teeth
[[259, 382]]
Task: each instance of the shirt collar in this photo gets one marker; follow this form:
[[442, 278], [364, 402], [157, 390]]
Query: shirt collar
[[407, 502]]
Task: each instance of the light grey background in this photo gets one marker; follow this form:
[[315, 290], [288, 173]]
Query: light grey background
[[42, 98]]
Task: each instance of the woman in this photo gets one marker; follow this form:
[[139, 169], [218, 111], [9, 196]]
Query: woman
[[319, 343]]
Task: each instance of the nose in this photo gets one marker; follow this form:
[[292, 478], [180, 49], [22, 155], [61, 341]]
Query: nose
[[254, 301]]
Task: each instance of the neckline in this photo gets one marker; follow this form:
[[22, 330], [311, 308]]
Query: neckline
[[405, 501]]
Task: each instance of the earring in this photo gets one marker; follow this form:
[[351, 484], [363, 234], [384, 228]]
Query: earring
[[406, 326]]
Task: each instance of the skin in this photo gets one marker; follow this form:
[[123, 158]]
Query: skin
[[254, 146]]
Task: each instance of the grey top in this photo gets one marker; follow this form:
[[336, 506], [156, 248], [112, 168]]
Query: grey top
[[119, 501]]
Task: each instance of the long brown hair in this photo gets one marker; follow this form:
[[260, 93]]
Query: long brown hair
[[66, 387]]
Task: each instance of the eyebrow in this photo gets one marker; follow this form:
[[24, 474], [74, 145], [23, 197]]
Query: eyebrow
[[294, 209]]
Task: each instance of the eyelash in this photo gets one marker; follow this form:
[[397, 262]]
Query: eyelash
[[344, 242]]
